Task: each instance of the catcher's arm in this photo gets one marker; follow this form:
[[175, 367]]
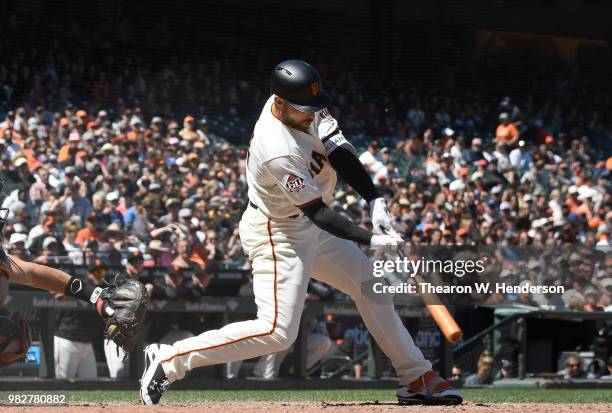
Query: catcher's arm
[[122, 305]]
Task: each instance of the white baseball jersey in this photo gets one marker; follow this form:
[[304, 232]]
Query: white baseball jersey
[[288, 169]]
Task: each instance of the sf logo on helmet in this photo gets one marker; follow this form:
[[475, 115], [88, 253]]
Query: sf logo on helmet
[[314, 88]]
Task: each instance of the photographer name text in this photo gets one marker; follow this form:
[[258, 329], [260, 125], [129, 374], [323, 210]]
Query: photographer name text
[[478, 288]]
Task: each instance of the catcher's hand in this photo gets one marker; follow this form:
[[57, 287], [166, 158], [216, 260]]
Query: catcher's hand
[[123, 306]]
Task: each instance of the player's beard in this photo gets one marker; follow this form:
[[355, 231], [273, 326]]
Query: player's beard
[[292, 123], [296, 125]]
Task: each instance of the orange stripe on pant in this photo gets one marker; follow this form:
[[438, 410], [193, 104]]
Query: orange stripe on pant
[[252, 336]]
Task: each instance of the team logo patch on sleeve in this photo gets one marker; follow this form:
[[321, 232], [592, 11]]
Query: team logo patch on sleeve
[[294, 183]]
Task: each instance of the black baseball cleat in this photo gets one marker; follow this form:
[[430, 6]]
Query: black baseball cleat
[[154, 381]]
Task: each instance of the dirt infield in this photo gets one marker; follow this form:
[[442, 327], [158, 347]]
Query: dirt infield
[[307, 407]]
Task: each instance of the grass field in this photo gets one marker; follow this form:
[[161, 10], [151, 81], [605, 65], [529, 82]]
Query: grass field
[[190, 396]]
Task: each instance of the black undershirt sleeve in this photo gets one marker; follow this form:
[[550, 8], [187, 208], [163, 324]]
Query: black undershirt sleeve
[[352, 171], [334, 223]]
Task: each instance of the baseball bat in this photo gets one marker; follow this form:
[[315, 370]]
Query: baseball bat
[[438, 311]]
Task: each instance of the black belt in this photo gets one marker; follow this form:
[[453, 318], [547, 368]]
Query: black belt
[[256, 207]]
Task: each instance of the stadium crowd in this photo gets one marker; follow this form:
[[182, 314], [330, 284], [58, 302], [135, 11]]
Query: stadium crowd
[[107, 157], [89, 187]]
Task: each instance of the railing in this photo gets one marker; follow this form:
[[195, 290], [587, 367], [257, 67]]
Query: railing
[[508, 334]]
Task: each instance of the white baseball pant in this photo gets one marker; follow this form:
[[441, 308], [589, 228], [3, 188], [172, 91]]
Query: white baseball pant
[[268, 365], [116, 360], [74, 359], [284, 253]]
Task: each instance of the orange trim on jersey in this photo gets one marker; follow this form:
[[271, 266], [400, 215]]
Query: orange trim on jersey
[[267, 333], [309, 203]]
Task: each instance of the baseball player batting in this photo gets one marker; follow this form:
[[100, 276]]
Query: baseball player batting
[[289, 234]]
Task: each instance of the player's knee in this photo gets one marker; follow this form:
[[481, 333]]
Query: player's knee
[[281, 342], [283, 338]]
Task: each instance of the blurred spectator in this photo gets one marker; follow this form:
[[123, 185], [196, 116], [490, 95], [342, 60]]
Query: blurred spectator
[[484, 374], [506, 133], [213, 249], [50, 252], [513, 111], [72, 247], [17, 246], [91, 231], [195, 278], [608, 375], [574, 369], [456, 374], [369, 160], [506, 370], [39, 233]]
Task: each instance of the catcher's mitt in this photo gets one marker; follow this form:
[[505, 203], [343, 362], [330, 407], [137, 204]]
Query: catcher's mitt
[[123, 306]]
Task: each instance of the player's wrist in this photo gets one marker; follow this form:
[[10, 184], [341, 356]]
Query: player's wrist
[[82, 290]]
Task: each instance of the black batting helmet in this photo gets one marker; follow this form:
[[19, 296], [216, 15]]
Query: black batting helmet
[[300, 85]]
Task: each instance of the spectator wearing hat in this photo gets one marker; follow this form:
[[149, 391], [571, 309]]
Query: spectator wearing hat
[[184, 220], [506, 132], [136, 134], [173, 205], [17, 247], [475, 152], [91, 230], [90, 131], [157, 251], [157, 125], [114, 243], [520, 158], [40, 233], [112, 208], [189, 131], [67, 153], [50, 252], [21, 177]]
